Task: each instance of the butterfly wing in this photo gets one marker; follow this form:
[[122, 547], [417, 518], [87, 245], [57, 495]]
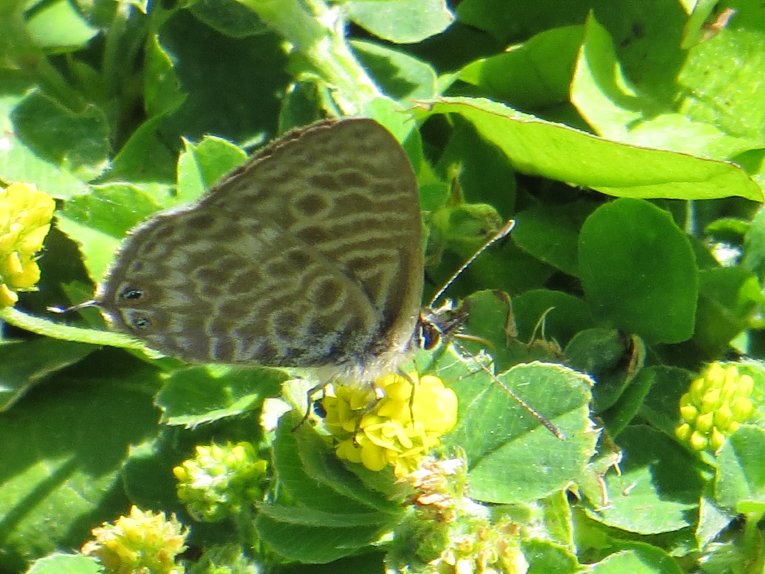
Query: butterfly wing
[[186, 285], [308, 254]]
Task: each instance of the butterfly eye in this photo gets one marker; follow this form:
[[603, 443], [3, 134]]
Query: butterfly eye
[[429, 335], [131, 294]]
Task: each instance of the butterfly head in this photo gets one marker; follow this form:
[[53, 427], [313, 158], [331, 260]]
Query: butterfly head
[[127, 303], [436, 325]]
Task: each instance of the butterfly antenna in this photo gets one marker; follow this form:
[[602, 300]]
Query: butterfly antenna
[[501, 234], [523, 404], [83, 305]]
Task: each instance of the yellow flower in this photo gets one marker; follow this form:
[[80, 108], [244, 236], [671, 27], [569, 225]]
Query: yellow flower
[[25, 215], [399, 429], [141, 542], [715, 405]]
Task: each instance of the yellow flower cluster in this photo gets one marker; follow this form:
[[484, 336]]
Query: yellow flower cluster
[[25, 215], [399, 429], [487, 549], [142, 542], [715, 406], [448, 533], [221, 480]]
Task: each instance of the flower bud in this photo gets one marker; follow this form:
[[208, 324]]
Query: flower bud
[[220, 481], [716, 403]]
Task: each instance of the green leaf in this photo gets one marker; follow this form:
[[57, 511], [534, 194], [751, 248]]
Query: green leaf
[[202, 394], [315, 477], [204, 164], [550, 233], [76, 142], [232, 89], [400, 21], [147, 475], [25, 364], [98, 221], [483, 172], [618, 111], [659, 486], [712, 519], [508, 21], [754, 252], [557, 517], [19, 161], [401, 75], [145, 156], [727, 297], [311, 536], [492, 319], [66, 564], [58, 26], [544, 556], [630, 402], [511, 456], [730, 97], [545, 315], [161, 87], [62, 454], [646, 560], [638, 271], [601, 353], [228, 17], [536, 147], [740, 480], [535, 74], [661, 407]]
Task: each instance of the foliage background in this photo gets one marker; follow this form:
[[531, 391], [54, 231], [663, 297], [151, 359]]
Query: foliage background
[[625, 138]]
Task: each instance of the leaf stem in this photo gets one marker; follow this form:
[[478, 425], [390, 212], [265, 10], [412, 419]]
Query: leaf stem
[[22, 320]]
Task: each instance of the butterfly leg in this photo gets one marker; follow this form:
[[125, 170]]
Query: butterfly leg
[[411, 395], [309, 396]]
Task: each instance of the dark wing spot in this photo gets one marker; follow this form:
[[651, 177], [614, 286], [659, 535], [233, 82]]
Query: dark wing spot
[[325, 181], [310, 204], [313, 235], [284, 321], [244, 282], [229, 308], [200, 220], [163, 232], [279, 269], [223, 349], [209, 290], [298, 258], [325, 292], [353, 178]]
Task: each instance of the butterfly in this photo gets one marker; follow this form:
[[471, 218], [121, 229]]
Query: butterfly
[[308, 255]]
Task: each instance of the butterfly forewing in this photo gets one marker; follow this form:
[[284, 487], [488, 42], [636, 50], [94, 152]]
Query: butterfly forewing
[[307, 255]]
